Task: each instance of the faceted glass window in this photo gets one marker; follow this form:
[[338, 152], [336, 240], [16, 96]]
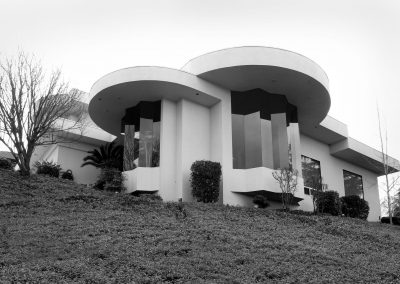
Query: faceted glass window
[[260, 130], [141, 125], [311, 172], [353, 184]]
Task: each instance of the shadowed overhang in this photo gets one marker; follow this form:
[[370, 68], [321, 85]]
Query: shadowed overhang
[[362, 155], [124, 88], [274, 70], [271, 196]]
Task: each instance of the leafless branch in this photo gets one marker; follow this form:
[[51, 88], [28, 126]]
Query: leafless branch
[[35, 107]]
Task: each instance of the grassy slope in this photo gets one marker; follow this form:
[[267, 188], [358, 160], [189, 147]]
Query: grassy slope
[[55, 231]]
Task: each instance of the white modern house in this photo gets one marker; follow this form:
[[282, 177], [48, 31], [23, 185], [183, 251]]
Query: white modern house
[[252, 109]]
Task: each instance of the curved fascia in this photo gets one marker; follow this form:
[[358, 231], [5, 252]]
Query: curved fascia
[[153, 73], [257, 56], [161, 83], [277, 71]]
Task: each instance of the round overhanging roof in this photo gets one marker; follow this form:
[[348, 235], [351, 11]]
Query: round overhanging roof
[[124, 88], [277, 71]]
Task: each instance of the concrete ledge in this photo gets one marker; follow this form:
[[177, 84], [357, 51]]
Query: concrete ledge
[[362, 155], [142, 179], [329, 131]]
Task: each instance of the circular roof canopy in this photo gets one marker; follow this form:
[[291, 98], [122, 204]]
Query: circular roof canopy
[[112, 94], [276, 71]]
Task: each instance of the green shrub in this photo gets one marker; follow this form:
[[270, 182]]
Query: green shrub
[[327, 202], [110, 179], [261, 201], [48, 168], [355, 207], [67, 175], [205, 179], [395, 220], [5, 164]]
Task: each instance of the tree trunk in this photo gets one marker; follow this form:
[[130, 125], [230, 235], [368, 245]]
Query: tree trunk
[[25, 168]]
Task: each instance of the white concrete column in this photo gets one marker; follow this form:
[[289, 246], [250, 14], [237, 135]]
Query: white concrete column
[[217, 146], [193, 135], [168, 153]]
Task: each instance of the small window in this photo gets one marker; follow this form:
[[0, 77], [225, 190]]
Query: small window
[[353, 184], [311, 170], [307, 191]]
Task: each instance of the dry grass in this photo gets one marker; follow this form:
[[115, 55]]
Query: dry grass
[[53, 231]]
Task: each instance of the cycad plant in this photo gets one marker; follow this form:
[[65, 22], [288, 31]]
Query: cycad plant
[[108, 155]]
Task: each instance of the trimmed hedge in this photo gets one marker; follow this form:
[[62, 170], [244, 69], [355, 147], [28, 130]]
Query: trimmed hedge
[[205, 179], [328, 202], [67, 175], [5, 164], [110, 179], [261, 201], [386, 220], [48, 168], [355, 207]]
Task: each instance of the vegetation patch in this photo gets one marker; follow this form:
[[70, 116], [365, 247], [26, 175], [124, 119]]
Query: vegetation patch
[[54, 231]]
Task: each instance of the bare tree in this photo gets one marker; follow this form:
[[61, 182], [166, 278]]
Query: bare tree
[[287, 179], [35, 108], [391, 182], [396, 204]]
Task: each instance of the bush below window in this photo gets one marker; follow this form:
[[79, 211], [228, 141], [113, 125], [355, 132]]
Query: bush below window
[[110, 179], [205, 179], [5, 164], [327, 202], [261, 201], [395, 220], [67, 175], [355, 207], [48, 168]]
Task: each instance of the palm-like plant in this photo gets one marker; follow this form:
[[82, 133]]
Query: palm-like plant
[[108, 155]]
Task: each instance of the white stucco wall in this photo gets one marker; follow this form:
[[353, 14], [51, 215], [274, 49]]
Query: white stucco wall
[[52, 153], [168, 151], [194, 136], [70, 156], [142, 179], [332, 173]]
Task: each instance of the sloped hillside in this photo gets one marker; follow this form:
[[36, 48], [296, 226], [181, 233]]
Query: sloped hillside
[[54, 231]]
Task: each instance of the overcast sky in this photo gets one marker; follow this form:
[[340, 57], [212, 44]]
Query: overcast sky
[[356, 42]]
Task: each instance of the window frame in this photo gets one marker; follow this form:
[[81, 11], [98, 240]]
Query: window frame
[[310, 189], [357, 175]]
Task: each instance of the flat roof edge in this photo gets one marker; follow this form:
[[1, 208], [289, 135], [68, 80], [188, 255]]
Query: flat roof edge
[[365, 156]]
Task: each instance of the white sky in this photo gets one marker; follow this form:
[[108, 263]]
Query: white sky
[[356, 42]]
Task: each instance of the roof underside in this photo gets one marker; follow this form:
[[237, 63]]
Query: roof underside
[[363, 156]]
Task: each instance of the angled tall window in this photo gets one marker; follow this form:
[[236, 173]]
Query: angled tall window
[[353, 184], [311, 170]]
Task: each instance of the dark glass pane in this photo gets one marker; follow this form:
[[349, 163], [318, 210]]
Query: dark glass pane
[[280, 143], [129, 148], [353, 184], [155, 156], [145, 142], [252, 140], [311, 170], [266, 144], [238, 149]]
